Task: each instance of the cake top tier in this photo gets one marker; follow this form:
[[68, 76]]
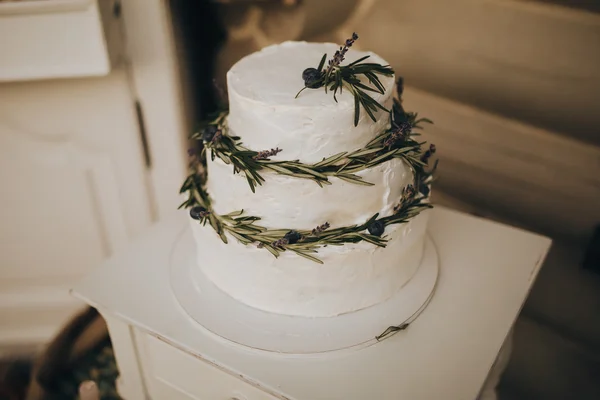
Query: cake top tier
[[265, 113], [273, 75]]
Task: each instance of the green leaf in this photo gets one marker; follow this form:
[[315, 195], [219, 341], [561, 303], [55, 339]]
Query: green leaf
[[280, 169], [372, 239], [250, 181], [330, 160], [367, 109], [365, 87], [308, 256], [356, 109], [343, 166], [247, 218], [370, 220], [312, 172], [235, 213], [365, 152], [427, 120], [240, 238], [382, 157], [374, 79], [247, 229], [271, 249], [354, 179], [357, 61], [322, 62], [274, 232]]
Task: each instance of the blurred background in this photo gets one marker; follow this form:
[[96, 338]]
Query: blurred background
[[97, 99]]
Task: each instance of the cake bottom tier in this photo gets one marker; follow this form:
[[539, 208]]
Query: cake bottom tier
[[352, 277]]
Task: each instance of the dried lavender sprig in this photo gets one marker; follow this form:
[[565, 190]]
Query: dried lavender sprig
[[203, 214], [262, 155], [199, 212], [340, 54], [399, 133], [280, 242], [217, 136], [408, 193], [320, 229]]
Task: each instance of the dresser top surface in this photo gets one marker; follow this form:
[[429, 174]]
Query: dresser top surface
[[486, 271]]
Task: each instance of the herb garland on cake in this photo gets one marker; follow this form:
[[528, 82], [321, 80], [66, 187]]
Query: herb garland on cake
[[398, 141]]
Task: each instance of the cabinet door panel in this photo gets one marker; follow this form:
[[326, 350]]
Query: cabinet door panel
[[74, 189]]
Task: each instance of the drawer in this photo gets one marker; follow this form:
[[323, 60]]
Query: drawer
[[43, 39], [170, 370]]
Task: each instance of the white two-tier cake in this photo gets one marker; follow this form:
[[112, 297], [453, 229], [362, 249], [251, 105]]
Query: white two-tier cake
[[264, 115]]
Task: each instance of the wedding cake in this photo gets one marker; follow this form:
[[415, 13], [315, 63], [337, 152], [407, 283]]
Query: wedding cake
[[310, 205]]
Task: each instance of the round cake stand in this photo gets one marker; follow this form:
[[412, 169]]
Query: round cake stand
[[236, 322]]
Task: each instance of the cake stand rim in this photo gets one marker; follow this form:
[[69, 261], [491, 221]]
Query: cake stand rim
[[184, 273]]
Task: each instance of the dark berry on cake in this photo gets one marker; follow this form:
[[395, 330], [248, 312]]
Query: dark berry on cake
[[376, 228], [292, 237], [311, 77], [427, 155], [198, 212], [209, 132]]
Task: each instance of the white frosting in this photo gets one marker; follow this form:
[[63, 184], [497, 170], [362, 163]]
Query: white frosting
[[265, 114], [286, 202], [352, 277]]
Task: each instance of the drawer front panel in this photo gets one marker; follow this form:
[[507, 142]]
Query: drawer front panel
[[193, 378]]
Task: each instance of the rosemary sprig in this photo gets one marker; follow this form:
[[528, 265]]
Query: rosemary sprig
[[398, 141], [307, 242], [336, 77]]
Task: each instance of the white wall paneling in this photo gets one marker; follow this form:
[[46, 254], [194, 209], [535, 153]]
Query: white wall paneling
[[151, 56], [520, 171], [532, 61]]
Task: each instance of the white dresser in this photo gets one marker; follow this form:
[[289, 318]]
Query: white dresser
[[449, 352]]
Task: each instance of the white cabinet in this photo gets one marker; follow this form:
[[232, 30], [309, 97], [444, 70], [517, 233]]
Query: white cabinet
[[41, 39], [450, 351], [87, 162], [74, 190]]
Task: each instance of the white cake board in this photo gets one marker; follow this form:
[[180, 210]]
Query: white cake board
[[236, 322]]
